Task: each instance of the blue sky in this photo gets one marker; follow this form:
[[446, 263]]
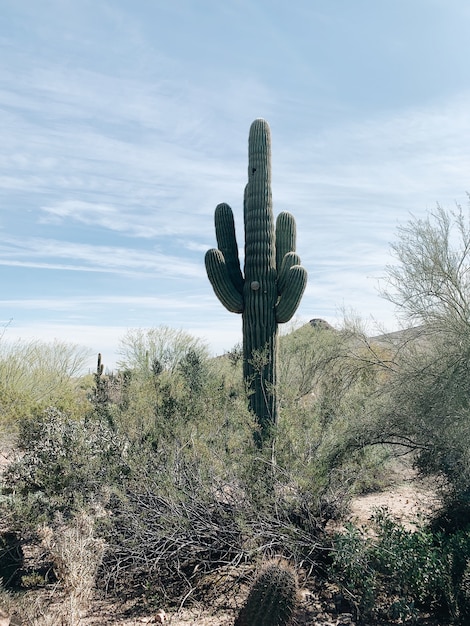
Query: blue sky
[[125, 122]]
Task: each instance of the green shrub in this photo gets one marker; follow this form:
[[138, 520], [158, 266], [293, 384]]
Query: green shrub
[[456, 551], [323, 389], [424, 406], [36, 374], [62, 465], [397, 571]]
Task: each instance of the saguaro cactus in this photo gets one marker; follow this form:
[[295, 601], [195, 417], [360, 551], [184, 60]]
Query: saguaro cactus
[[269, 290]]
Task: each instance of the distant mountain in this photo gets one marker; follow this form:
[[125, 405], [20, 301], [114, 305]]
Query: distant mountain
[[317, 322]]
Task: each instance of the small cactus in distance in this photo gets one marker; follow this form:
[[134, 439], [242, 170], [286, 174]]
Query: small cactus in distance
[[100, 392], [100, 396], [272, 599], [269, 290], [99, 366]]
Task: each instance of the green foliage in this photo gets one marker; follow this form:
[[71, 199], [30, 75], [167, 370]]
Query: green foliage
[[153, 350], [323, 391], [194, 370], [168, 451], [164, 408], [422, 402], [457, 556], [430, 284], [426, 405], [271, 287], [63, 464], [397, 571], [35, 374], [272, 598]]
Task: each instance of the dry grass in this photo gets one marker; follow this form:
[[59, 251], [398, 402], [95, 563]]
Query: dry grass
[[76, 554]]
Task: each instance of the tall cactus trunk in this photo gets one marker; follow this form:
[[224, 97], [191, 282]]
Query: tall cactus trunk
[[270, 289], [260, 289]]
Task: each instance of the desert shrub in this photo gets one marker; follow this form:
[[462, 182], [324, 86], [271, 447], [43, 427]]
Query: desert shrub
[[397, 571], [426, 408], [424, 405], [62, 464], [457, 556], [153, 350], [186, 400], [167, 532], [163, 543], [76, 554], [325, 387], [35, 375], [379, 573], [200, 496], [194, 369], [163, 409]]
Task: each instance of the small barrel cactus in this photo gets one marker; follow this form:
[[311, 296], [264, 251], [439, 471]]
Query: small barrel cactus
[[272, 599], [269, 290]]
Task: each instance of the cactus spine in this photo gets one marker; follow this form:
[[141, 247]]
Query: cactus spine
[[272, 599], [269, 290]]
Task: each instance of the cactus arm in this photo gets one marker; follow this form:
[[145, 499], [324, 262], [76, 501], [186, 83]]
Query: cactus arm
[[227, 243], [292, 278], [290, 259], [219, 277], [295, 283], [285, 236]]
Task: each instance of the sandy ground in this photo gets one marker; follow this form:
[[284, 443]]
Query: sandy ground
[[405, 502]]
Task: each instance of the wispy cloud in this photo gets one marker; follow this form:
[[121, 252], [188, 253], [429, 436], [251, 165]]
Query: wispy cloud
[[95, 214], [393, 155], [33, 252], [97, 301]]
